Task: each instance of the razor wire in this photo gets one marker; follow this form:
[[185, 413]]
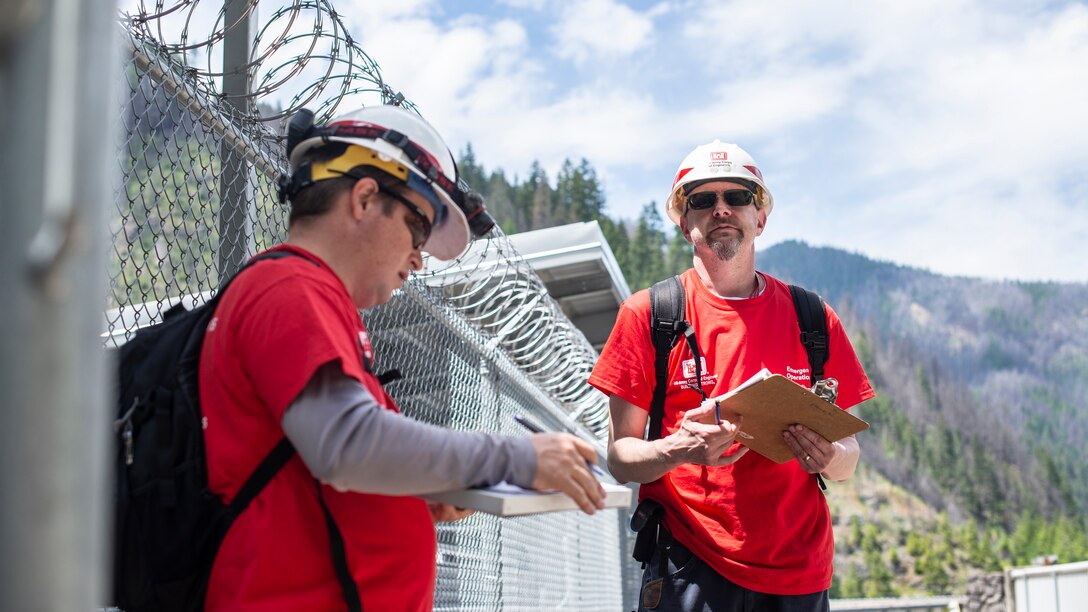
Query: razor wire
[[477, 339], [304, 48]]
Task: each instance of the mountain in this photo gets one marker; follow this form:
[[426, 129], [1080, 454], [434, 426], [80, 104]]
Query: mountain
[[982, 407]]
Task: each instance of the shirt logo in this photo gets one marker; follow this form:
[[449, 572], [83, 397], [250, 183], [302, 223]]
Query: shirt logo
[[798, 375], [688, 374], [689, 367]]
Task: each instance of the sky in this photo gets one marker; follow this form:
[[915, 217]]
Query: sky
[[949, 135]]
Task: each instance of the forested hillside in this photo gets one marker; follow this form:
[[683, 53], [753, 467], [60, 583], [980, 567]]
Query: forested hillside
[[981, 416], [975, 460], [983, 411]]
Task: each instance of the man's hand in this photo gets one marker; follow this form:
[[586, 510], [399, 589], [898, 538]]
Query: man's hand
[[445, 513], [561, 464], [812, 450], [700, 443], [630, 458]]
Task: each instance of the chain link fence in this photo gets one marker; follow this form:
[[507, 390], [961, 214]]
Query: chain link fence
[[477, 339]]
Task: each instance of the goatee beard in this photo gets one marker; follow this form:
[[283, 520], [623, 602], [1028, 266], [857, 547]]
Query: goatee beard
[[724, 248]]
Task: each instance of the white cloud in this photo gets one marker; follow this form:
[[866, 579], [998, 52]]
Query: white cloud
[[443, 68], [602, 28], [586, 123], [946, 135]]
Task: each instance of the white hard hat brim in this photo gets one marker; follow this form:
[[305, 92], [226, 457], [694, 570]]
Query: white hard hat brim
[[450, 239]]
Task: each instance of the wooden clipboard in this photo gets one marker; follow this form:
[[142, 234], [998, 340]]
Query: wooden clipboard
[[771, 405]]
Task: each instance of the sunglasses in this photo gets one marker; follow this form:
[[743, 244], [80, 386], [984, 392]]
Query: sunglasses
[[708, 199], [418, 223]]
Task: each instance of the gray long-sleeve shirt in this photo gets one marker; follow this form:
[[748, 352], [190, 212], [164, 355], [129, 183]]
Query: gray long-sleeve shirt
[[350, 442]]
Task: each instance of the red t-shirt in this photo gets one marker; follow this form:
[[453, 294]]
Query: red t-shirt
[[276, 325], [762, 525]]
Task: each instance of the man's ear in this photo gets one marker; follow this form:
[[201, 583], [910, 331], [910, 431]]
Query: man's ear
[[361, 197], [684, 229], [761, 221]]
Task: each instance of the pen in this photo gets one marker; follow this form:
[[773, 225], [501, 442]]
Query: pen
[[534, 427], [717, 413]]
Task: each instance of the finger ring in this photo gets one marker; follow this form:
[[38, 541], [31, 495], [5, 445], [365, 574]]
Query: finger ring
[[808, 458]]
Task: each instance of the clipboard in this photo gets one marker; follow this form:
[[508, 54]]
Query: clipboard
[[770, 403], [509, 500]]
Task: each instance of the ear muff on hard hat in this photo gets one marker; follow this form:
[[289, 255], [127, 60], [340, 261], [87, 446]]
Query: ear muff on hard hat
[[716, 161], [404, 146]]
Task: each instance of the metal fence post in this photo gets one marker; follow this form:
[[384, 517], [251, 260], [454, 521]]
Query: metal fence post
[[57, 76], [235, 184]]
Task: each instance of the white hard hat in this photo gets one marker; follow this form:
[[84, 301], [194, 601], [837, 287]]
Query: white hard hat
[[716, 161], [411, 150]]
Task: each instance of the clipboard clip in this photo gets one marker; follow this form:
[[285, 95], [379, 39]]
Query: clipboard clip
[[828, 389]]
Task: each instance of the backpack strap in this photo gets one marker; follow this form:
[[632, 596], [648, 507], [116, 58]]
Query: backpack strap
[[348, 587], [667, 324], [812, 320], [261, 257], [266, 470]]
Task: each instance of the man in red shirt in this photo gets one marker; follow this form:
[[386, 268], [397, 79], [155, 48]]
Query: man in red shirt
[[739, 531], [287, 354]]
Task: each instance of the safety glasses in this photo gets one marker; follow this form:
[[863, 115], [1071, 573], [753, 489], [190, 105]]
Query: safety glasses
[[418, 223], [708, 199]]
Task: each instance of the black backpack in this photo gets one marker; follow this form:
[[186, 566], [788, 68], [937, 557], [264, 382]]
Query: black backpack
[[168, 525], [668, 324]]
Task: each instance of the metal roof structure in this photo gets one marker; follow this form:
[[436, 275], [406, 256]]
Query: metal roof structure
[[580, 272]]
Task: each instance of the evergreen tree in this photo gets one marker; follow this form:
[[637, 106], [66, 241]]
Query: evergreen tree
[[916, 545], [589, 193], [894, 562], [471, 171], [646, 261], [535, 197], [500, 198], [1024, 541], [578, 194], [934, 575], [678, 257], [616, 235], [855, 531], [973, 546], [532, 200], [879, 583], [542, 207], [566, 195], [851, 586], [1070, 541]]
